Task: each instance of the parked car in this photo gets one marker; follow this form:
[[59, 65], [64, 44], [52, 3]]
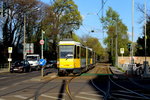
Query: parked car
[[51, 64], [20, 66], [33, 60]]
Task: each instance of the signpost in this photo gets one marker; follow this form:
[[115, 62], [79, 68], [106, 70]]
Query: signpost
[[122, 51], [29, 48], [41, 42], [42, 63], [9, 59]]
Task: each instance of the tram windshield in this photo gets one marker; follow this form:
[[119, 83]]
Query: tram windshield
[[66, 51]]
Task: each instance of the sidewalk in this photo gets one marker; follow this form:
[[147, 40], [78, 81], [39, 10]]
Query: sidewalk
[[3, 70], [115, 70]]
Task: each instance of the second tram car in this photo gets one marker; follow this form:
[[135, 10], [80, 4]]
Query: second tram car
[[74, 58]]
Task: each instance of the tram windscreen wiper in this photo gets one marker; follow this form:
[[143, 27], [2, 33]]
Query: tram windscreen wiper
[[69, 56]]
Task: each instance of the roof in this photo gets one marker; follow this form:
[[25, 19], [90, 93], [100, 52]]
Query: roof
[[69, 43], [32, 55]]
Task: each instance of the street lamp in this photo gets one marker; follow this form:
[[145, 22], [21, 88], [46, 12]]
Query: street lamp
[[116, 46], [132, 60], [145, 31], [24, 39], [43, 32]]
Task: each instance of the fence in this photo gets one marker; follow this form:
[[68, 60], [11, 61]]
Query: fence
[[3, 66]]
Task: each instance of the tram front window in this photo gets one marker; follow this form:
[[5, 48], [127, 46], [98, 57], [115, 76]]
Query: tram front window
[[66, 51]]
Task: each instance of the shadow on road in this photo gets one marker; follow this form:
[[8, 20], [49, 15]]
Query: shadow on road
[[61, 91]]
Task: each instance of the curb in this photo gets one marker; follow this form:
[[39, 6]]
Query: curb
[[45, 78]]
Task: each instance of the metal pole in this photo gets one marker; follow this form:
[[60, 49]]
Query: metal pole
[[42, 70], [9, 62], [145, 33], [132, 60], [24, 39], [145, 64], [116, 53], [42, 48]]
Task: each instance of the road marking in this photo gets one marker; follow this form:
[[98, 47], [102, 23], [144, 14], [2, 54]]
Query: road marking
[[53, 76], [2, 99], [85, 98], [86, 93], [52, 97], [16, 84], [19, 96], [3, 78], [3, 88]]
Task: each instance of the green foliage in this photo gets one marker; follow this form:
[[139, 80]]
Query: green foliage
[[115, 29], [13, 23], [94, 43], [76, 38], [60, 20], [62, 17], [141, 41]]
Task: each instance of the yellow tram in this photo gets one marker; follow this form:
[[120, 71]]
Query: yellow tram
[[74, 58]]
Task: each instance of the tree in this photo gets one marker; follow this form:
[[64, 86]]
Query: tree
[[113, 24], [141, 41], [89, 41], [62, 17], [13, 22]]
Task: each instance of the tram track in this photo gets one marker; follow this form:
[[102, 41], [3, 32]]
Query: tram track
[[37, 94], [113, 90], [68, 90], [18, 78], [138, 84], [132, 93], [41, 85]]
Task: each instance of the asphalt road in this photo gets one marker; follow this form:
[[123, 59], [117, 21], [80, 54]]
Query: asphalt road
[[29, 86]]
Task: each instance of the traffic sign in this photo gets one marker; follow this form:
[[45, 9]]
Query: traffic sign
[[122, 50], [42, 62], [9, 49], [9, 59], [29, 48], [41, 42]]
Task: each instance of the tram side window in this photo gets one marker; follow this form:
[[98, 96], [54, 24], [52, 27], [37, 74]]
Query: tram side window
[[78, 52], [83, 52], [75, 54], [89, 55]]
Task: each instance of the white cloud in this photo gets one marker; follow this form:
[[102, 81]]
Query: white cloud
[[83, 17], [129, 33]]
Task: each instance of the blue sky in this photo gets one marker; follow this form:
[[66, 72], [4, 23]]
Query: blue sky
[[90, 8], [91, 21]]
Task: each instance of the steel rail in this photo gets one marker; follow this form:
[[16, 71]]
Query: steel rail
[[139, 94], [23, 88], [137, 84], [37, 94], [105, 94], [68, 89]]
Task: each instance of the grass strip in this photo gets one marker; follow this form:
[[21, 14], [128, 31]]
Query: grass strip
[[93, 74]]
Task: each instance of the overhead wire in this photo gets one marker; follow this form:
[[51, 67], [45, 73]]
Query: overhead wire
[[102, 9]]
